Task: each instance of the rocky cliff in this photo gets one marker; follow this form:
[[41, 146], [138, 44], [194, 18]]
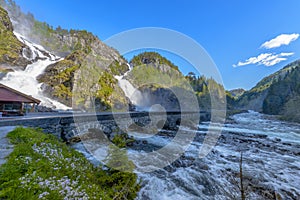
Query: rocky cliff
[[86, 66], [11, 49], [157, 79], [161, 82], [86, 63], [277, 94]]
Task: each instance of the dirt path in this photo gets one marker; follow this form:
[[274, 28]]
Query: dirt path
[[5, 147]]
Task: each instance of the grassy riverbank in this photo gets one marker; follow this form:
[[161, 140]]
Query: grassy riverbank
[[42, 167]]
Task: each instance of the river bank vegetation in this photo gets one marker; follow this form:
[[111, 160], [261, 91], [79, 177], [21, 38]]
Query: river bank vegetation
[[42, 167]]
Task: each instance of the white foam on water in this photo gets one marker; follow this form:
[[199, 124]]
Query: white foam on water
[[26, 82], [133, 94], [280, 171]]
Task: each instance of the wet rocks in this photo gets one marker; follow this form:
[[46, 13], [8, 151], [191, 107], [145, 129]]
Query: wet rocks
[[201, 165]]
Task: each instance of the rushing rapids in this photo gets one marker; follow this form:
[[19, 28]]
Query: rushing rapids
[[271, 154]]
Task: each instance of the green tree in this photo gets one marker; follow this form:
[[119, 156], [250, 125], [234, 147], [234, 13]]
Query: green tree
[[107, 83], [122, 179], [118, 161]]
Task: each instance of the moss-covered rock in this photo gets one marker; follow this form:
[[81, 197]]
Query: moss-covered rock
[[85, 81], [10, 47]]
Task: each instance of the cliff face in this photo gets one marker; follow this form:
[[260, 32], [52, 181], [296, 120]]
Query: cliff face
[[236, 93], [11, 49], [160, 82], [155, 77], [277, 94], [86, 63], [91, 62]]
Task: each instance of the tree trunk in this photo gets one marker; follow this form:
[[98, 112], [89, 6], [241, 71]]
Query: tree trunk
[[241, 178]]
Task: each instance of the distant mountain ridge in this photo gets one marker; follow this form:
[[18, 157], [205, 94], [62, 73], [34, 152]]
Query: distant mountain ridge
[[276, 94], [236, 93]]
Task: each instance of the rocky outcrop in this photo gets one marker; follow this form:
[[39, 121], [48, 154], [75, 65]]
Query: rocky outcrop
[[86, 76], [155, 77], [88, 63], [10, 47], [276, 94], [155, 60], [236, 93]]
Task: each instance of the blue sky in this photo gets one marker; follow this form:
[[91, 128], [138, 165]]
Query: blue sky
[[232, 32]]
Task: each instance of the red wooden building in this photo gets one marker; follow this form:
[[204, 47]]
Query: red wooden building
[[12, 101]]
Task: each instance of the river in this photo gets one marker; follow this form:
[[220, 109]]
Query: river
[[271, 162]]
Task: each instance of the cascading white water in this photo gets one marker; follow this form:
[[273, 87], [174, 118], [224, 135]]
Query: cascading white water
[[130, 91], [25, 81], [270, 151]]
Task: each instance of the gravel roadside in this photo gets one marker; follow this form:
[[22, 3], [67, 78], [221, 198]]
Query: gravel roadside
[[5, 147]]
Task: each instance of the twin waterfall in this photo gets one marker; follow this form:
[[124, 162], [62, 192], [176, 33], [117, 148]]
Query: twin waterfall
[[26, 82]]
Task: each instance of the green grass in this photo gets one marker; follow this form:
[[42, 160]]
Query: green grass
[[42, 167]]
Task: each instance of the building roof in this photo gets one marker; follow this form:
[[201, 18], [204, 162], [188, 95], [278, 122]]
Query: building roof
[[12, 95]]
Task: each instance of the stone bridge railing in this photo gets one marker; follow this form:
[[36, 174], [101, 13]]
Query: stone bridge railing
[[67, 126]]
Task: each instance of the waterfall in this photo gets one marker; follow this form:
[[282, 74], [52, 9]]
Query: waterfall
[[26, 82], [132, 93]]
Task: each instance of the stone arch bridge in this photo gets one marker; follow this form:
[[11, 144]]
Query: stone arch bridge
[[66, 126]]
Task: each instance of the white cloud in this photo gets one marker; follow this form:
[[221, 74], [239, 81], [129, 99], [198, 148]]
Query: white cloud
[[267, 59], [283, 39], [287, 54]]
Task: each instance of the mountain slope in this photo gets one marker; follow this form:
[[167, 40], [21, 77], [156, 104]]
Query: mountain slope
[[277, 94], [89, 75], [24, 79], [161, 82], [86, 68], [236, 93], [88, 62], [11, 48], [156, 79]]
